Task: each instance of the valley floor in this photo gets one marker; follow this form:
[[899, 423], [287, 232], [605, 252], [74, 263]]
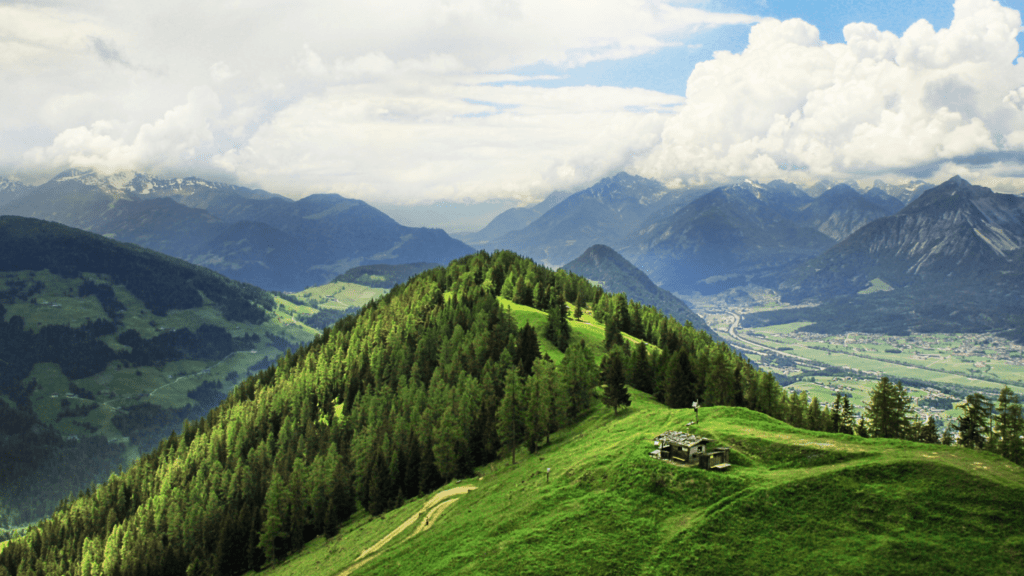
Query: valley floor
[[939, 369]]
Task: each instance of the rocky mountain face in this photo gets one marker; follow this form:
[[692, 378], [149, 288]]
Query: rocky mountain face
[[841, 210], [616, 274], [248, 235], [905, 193], [11, 190], [604, 213], [720, 240], [953, 232], [951, 260]]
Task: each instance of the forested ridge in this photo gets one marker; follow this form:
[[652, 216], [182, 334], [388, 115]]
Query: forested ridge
[[423, 385], [88, 327], [162, 283]]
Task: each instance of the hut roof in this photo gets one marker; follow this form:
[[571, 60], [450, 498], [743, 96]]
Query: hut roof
[[681, 439]]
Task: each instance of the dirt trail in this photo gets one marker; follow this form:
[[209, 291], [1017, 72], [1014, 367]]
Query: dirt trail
[[430, 511]]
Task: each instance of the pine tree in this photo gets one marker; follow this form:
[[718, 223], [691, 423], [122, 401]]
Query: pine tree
[[888, 410], [862, 429], [558, 330], [578, 312], [641, 373], [947, 436], [929, 432], [814, 421], [797, 409], [1009, 427], [510, 417], [846, 420], [527, 349], [580, 375], [768, 394], [274, 516], [620, 311], [614, 379], [449, 444], [677, 384], [612, 334], [537, 410], [973, 424]]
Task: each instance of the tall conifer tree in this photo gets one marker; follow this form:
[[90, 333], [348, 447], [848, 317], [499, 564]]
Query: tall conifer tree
[[614, 378]]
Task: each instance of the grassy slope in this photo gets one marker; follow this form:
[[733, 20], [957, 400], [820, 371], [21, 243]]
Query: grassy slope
[[586, 328], [795, 502], [340, 295]]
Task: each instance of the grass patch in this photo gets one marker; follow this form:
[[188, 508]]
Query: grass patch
[[877, 285], [339, 295]]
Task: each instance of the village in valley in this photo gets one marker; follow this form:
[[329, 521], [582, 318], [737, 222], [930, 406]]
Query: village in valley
[[939, 370]]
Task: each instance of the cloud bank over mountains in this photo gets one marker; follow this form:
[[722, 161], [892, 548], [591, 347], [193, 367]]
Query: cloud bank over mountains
[[406, 100], [929, 103]]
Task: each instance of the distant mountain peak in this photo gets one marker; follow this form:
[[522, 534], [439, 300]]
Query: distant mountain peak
[[603, 264]]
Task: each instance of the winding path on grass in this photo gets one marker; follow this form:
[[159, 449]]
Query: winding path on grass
[[429, 513]]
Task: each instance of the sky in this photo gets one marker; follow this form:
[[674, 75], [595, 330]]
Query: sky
[[442, 102]]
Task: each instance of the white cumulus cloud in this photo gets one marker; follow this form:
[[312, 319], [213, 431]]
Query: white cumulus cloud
[[792, 106], [173, 140]]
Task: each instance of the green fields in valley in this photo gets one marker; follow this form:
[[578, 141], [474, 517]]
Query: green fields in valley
[[940, 369]]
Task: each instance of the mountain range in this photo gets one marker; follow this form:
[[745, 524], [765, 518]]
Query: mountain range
[[951, 260], [602, 214], [248, 235], [720, 239], [693, 239]]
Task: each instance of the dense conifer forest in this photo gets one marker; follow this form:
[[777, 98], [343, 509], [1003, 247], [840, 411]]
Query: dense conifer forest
[[422, 386]]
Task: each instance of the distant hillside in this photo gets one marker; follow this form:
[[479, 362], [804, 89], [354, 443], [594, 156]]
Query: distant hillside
[[106, 347], [249, 235], [383, 275], [616, 274]]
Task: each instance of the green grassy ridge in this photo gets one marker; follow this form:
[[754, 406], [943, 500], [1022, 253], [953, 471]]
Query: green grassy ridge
[[587, 328], [875, 506]]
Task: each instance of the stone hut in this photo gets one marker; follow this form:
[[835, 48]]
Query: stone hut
[[680, 446]]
